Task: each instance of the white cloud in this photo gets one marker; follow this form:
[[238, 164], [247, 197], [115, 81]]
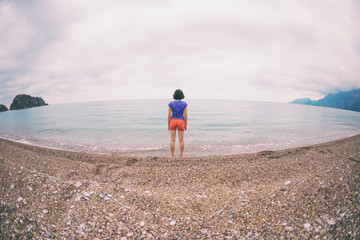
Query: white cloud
[[14, 41], [100, 50]]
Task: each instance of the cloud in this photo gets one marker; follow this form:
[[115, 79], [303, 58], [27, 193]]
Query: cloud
[[101, 50], [27, 29], [14, 40]]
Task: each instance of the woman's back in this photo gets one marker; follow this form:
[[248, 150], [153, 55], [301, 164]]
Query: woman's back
[[177, 108]]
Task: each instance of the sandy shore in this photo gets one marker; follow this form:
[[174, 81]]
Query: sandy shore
[[303, 193]]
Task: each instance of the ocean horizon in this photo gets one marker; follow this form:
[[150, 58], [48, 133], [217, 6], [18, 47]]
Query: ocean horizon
[[139, 127]]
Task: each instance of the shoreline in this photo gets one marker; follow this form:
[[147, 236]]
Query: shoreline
[[300, 193], [146, 153]]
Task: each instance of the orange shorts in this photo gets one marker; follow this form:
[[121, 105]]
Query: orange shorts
[[177, 123]]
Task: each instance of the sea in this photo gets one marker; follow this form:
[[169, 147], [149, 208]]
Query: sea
[[139, 127]]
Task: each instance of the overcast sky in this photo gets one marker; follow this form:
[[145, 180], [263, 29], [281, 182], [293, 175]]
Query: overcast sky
[[264, 50]]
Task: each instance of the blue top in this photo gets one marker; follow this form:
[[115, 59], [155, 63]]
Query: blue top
[[177, 108]]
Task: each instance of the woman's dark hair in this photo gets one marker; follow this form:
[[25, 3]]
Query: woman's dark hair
[[178, 94]]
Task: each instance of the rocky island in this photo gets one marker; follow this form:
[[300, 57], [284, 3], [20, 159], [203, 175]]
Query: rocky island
[[23, 101], [3, 108]]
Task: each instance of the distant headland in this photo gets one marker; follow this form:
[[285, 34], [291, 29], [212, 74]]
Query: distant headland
[[343, 100], [22, 101]]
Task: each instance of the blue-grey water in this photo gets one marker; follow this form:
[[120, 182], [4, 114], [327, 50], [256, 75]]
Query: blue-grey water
[[139, 127]]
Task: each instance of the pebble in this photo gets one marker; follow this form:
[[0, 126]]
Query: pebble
[[86, 194], [204, 231], [287, 183], [12, 186], [307, 226], [172, 223], [78, 184], [142, 224], [47, 235], [272, 195], [289, 229], [330, 222], [82, 226], [45, 211]]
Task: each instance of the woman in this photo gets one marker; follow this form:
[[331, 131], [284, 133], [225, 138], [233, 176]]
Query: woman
[[177, 119]]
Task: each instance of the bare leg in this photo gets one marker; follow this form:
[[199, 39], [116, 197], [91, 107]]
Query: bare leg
[[172, 142], [182, 145]]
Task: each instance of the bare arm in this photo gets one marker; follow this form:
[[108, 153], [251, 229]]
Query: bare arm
[[169, 116], [185, 117]]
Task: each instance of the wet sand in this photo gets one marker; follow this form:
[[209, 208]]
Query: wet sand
[[302, 193]]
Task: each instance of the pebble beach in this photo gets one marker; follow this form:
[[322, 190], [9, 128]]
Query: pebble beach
[[310, 192]]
